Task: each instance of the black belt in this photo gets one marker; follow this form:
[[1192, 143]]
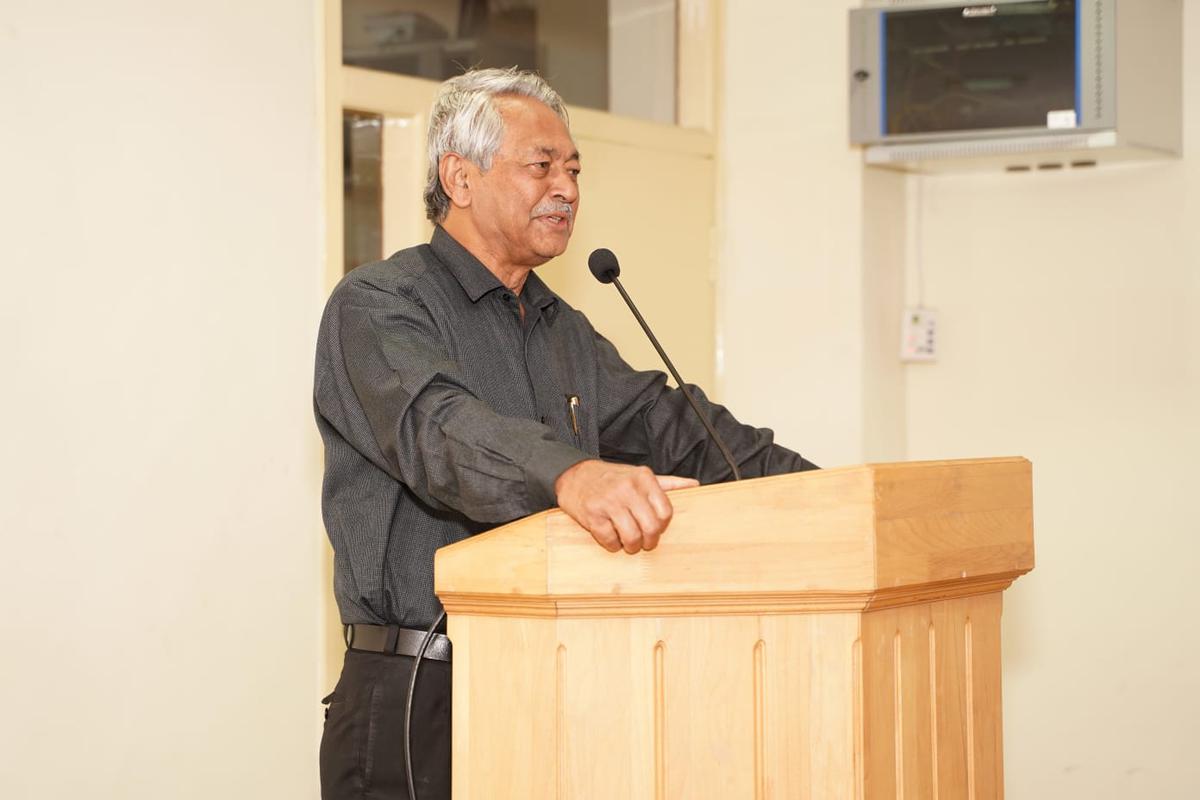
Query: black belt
[[396, 641]]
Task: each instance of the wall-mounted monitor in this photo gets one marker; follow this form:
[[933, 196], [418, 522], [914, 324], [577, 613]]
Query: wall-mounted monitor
[[947, 80]]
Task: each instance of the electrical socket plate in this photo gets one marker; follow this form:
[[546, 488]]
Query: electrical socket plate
[[918, 334]]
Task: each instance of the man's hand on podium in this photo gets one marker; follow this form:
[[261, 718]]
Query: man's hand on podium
[[623, 507]]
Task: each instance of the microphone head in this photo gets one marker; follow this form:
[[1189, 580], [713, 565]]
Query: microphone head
[[603, 265]]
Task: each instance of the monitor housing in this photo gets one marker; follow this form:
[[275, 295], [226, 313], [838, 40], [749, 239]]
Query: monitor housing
[[1018, 84]]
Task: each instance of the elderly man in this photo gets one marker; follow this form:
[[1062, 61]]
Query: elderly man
[[454, 392]]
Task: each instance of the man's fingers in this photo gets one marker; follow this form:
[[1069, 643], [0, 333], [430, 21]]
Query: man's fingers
[[651, 520], [657, 505], [606, 536], [628, 529], [669, 482], [653, 508], [623, 507]]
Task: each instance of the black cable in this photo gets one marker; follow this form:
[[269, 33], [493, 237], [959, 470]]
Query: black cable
[[412, 689]]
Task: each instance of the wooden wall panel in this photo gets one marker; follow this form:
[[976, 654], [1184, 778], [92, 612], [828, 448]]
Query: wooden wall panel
[[931, 697], [607, 723], [983, 648], [504, 680], [949, 735], [809, 704], [897, 703], [708, 700]]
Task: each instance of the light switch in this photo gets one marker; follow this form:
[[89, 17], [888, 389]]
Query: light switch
[[918, 335]]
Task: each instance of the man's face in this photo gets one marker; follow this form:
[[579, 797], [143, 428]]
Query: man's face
[[525, 205]]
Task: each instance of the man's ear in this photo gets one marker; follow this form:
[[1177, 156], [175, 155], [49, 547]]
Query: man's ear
[[455, 173]]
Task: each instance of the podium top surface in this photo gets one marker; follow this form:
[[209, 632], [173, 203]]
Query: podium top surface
[[849, 531]]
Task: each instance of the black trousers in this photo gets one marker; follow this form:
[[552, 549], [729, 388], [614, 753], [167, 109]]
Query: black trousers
[[362, 748]]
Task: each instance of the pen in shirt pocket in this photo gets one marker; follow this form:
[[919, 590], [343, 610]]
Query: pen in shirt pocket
[[572, 407]]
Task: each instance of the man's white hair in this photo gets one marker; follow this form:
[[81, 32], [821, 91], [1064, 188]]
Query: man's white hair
[[464, 120]]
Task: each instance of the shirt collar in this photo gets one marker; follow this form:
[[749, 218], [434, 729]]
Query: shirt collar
[[477, 280], [537, 294]]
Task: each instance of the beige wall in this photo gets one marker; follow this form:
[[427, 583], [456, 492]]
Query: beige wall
[[790, 292], [159, 481], [1069, 306]]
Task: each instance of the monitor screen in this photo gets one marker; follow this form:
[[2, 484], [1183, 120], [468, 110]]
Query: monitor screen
[[1007, 65]]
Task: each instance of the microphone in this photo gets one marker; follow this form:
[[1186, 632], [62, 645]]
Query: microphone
[[604, 266]]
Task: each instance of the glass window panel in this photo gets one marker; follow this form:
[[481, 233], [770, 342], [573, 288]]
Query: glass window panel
[[642, 59], [362, 185], [615, 55]]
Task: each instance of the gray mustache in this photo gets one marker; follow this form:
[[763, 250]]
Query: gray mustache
[[547, 209]]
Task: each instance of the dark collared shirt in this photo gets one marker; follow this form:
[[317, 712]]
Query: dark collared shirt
[[443, 415]]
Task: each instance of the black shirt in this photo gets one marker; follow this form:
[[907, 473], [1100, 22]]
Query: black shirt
[[444, 415]]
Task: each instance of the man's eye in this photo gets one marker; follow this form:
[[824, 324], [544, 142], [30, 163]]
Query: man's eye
[[541, 164]]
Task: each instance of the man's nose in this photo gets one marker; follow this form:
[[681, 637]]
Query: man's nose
[[564, 187]]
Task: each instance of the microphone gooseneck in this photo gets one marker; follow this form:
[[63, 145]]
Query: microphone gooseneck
[[604, 266]]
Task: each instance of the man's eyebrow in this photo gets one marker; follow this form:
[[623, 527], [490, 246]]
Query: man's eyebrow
[[552, 152]]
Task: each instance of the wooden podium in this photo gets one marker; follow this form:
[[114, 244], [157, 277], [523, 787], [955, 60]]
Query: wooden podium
[[829, 634]]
